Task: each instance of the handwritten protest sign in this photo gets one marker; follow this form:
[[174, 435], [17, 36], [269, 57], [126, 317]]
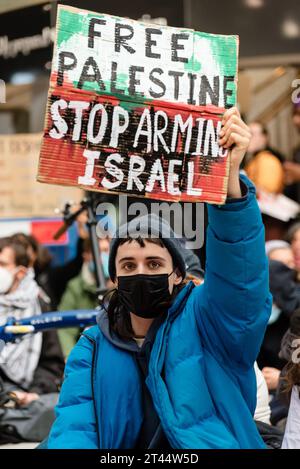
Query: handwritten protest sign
[[20, 195], [136, 108]]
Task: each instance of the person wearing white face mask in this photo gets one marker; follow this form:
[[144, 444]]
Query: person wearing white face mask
[[10, 277], [32, 366], [18, 298]]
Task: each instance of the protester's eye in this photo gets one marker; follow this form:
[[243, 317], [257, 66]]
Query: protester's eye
[[128, 266], [154, 265]]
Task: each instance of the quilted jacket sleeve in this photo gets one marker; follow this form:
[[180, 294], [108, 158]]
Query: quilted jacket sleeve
[[233, 305]]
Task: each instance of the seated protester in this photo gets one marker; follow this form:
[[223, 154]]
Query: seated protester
[[39, 256], [33, 366], [286, 298], [292, 385], [171, 364], [81, 291], [53, 279]]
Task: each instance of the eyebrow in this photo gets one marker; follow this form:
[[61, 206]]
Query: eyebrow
[[126, 259], [148, 258], [155, 257]]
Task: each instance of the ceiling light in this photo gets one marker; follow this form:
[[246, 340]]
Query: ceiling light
[[290, 28], [254, 3]]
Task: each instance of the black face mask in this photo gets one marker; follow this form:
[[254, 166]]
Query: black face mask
[[147, 296]]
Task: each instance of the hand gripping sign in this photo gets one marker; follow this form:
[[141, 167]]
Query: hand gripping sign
[[136, 108]]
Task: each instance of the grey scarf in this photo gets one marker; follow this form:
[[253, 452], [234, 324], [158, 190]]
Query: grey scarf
[[19, 360]]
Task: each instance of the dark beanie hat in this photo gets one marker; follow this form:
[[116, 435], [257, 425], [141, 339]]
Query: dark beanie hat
[[148, 226]]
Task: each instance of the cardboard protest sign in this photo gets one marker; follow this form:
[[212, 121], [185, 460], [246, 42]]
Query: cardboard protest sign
[[20, 195], [136, 108]]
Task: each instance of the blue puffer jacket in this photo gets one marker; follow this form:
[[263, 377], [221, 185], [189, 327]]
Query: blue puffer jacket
[[201, 375]]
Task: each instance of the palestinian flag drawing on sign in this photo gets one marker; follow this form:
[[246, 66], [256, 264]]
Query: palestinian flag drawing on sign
[[136, 108]]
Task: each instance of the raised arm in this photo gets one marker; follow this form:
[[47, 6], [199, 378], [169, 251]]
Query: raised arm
[[234, 304]]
